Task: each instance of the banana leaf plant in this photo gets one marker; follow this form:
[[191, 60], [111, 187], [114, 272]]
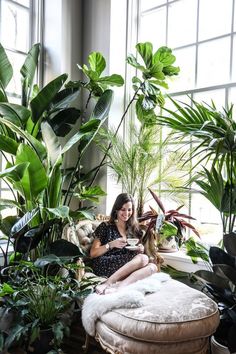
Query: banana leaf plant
[[220, 284], [30, 142], [214, 135], [166, 223]]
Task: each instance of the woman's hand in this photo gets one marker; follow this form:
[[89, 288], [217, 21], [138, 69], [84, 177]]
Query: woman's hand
[[140, 248], [118, 243]]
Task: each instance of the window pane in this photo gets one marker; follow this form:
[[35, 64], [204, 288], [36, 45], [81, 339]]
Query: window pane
[[17, 61], [232, 97], [145, 5], [213, 62], [218, 96], [16, 21], [215, 18], [9, 211], [182, 23], [185, 59], [208, 219], [23, 2], [152, 28], [234, 60]]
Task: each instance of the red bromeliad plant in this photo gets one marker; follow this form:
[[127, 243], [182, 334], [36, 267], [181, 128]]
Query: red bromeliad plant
[[166, 223]]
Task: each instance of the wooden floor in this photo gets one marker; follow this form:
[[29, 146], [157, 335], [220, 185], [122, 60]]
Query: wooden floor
[[74, 344]]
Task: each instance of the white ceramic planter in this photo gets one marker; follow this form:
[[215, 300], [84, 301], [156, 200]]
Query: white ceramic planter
[[217, 348]]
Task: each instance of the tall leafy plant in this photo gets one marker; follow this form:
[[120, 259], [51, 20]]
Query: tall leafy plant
[[153, 68], [30, 142], [214, 136]]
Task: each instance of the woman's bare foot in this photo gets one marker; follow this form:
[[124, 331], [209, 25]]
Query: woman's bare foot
[[110, 290], [100, 288]]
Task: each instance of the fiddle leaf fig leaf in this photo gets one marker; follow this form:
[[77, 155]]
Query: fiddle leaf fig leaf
[[165, 56], [113, 80], [156, 71], [97, 62], [171, 70], [133, 61], [145, 50], [60, 212], [91, 193]]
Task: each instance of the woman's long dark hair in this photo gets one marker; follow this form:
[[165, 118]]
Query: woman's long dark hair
[[132, 224]]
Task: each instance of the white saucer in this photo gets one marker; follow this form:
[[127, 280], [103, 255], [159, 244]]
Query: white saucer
[[132, 248]]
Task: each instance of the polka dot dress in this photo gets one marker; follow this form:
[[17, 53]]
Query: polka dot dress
[[112, 260]]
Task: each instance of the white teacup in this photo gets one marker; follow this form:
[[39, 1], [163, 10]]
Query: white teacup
[[132, 241]]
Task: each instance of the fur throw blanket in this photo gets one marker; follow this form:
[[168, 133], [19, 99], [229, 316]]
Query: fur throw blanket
[[128, 297]]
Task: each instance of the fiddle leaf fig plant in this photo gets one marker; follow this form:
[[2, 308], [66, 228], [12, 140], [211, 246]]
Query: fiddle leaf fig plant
[[153, 70]]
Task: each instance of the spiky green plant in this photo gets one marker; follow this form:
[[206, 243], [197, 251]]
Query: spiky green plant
[[214, 134], [139, 164]]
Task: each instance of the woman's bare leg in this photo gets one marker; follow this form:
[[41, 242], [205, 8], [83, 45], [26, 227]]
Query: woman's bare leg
[[138, 262], [128, 274], [139, 274]]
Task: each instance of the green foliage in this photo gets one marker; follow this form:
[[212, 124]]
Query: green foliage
[[220, 284], [166, 223], [38, 300], [215, 134], [35, 155], [156, 68]]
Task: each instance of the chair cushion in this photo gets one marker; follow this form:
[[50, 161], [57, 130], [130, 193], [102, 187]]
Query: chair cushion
[[176, 313]]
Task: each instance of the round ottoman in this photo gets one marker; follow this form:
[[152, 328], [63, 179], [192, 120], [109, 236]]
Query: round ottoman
[[175, 320]]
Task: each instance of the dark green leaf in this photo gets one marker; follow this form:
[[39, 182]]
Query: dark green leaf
[[6, 70], [30, 64], [15, 113], [65, 97], [103, 105], [22, 224], [64, 121], [42, 101], [8, 145]]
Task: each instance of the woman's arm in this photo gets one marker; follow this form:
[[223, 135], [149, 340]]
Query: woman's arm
[[98, 249]]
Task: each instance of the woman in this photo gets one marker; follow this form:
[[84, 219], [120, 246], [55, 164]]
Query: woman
[[111, 258]]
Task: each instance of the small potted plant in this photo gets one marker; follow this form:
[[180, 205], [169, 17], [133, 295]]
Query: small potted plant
[[40, 306], [168, 226]]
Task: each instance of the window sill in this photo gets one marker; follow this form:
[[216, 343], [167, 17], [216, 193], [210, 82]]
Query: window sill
[[179, 260]]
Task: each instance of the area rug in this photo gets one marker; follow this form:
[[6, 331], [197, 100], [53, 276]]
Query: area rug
[[128, 297]]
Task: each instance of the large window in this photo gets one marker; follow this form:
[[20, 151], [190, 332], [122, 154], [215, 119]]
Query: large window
[[19, 28], [202, 34]]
